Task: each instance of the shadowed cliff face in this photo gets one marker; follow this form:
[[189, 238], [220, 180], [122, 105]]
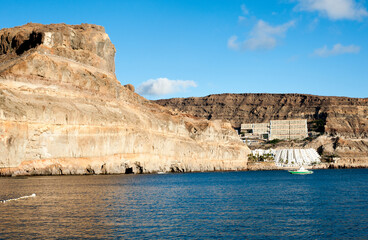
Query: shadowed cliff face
[[342, 120], [62, 111]]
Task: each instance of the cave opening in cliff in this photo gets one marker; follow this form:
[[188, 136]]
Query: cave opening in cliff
[[129, 170], [34, 40]]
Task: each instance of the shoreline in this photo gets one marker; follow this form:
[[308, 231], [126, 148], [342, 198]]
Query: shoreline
[[252, 167], [272, 166]]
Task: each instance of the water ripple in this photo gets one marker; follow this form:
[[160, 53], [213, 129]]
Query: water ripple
[[231, 205]]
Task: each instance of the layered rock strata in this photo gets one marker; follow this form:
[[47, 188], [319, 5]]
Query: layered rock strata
[[341, 121], [62, 111]]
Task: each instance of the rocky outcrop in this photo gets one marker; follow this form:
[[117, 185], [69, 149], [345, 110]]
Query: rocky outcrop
[[62, 111], [339, 116], [342, 122], [342, 152]]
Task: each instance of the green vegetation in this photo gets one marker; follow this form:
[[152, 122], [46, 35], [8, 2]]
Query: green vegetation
[[274, 141], [252, 158], [262, 158], [309, 139], [317, 125], [329, 158]]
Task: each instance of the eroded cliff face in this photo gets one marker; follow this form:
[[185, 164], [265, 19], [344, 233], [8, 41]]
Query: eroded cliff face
[[62, 111], [342, 121]]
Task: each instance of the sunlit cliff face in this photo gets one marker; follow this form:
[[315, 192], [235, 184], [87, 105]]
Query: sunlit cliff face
[[64, 112]]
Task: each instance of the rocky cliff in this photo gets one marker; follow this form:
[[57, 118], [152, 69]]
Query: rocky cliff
[[62, 111], [342, 122]]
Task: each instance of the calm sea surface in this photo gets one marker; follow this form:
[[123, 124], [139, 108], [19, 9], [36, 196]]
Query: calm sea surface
[[231, 205]]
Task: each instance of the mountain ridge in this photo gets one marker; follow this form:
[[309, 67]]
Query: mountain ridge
[[341, 122]]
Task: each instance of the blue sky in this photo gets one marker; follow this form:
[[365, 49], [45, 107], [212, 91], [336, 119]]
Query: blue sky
[[186, 48]]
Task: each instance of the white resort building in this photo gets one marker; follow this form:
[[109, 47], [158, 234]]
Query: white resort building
[[275, 129]]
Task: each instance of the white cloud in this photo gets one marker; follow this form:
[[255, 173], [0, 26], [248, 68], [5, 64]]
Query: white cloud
[[262, 36], [241, 19], [244, 9], [163, 86], [313, 24], [334, 9], [232, 43], [337, 49]]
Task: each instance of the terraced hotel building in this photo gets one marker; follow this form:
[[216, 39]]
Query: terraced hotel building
[[276, 129]]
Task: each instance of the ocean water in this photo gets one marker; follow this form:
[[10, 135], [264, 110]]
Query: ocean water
[[329, 204]]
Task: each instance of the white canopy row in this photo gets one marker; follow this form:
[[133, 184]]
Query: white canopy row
[[291, 157]]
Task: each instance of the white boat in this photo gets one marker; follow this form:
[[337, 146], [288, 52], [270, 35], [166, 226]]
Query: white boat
[[301, 170]]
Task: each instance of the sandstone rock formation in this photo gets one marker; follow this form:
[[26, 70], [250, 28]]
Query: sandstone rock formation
[[130, 87], [62, 111], [341, 121]]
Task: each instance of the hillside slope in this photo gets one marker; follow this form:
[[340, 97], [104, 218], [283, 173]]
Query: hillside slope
[[341, 121], [62, 111]]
